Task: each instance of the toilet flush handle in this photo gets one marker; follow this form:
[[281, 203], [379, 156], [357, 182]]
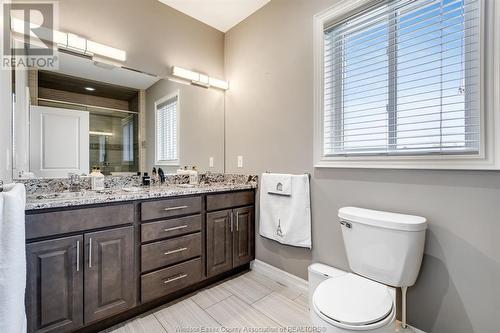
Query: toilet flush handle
[[346, 224]]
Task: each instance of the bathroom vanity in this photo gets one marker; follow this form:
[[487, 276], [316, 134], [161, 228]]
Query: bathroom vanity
[[91, 265]]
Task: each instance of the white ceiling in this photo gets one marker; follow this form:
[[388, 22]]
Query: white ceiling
[[220, 14]]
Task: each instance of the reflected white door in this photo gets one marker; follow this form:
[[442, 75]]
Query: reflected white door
[[59, 141]]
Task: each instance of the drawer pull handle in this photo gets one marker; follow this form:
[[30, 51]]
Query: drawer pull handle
[[175, 278], [175, 251], [176, 228], [168, 209]]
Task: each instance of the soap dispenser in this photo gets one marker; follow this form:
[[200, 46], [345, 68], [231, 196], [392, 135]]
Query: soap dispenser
[[183, 171], [193, 176], [96, 179]]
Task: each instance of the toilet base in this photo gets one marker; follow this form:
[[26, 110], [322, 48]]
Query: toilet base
[[391, 327]]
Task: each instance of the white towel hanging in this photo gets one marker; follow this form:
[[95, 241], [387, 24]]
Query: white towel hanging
[[12, 259], [280, 184], [286, 218]]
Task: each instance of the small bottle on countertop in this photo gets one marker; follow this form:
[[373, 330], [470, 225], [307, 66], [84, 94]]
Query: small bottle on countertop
[[161, 175], [193, 176], [96, 179], [146, 179], [155, 180]]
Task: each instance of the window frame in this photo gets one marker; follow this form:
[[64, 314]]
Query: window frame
[[489, 156], [165, 98], [128, 157]]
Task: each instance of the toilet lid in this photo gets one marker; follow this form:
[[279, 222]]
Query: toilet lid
[[353, 300]]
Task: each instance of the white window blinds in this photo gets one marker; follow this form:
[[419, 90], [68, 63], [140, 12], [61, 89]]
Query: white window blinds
[[166, 131], [402, 78]]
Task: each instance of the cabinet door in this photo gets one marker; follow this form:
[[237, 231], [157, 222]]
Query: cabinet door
[[109, 273], [243, 236], [219, 242], [54, 289]]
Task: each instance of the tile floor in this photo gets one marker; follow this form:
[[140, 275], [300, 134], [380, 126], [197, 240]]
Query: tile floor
[[250, 302]]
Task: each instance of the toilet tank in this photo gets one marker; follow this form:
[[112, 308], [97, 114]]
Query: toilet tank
[[383, 246], [318, 273]]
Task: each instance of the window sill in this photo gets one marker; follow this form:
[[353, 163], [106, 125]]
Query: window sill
[[411, 162], [168, 163]]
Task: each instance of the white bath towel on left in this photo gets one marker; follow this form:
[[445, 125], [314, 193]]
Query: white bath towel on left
[[12, 259], [286, 218]]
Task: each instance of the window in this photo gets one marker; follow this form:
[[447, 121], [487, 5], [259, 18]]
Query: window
[[167, 132], [401, 82]]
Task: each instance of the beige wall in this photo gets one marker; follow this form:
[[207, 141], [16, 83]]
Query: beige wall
[[201, 125], [268, 60], [154, 35]]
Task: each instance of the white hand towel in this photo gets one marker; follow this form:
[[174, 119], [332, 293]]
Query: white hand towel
[[12, 259], [286, 219], [278, 183]]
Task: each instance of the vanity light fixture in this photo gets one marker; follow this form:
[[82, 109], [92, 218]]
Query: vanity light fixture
[[199, 79], [84, 46], [221, 84], [101, 133], [89, 88], [71, 42]]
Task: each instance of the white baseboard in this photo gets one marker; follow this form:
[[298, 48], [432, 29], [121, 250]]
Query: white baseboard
[[279, 275]]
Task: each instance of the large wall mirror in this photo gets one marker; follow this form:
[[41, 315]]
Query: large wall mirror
[[88, 113]]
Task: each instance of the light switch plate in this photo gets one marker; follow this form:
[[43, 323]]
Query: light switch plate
[[211, 162], [240, 161]]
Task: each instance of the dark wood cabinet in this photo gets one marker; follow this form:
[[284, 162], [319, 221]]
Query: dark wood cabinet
[[54, 288], [230, 239], [243, 236], [81, 279], [219, 242], [92, 265], [109, 273]]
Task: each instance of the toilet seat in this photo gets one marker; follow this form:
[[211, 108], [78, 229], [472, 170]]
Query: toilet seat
[[352, 301]]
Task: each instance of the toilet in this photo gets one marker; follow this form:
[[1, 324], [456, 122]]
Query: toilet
[[384, 251]]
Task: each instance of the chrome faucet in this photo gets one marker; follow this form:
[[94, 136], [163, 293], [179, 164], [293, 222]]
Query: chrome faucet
[[74, 182]]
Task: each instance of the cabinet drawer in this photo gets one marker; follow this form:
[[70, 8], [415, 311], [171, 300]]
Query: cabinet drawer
[[169, 280], [170, 251], [169, 228], [62, 222], [228, 200], [170, 207]]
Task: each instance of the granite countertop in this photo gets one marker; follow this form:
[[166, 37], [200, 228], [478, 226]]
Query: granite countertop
[[87, 197]]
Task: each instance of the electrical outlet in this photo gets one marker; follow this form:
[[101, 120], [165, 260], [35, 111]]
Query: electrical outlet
[[240, 161], [211, 162]]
